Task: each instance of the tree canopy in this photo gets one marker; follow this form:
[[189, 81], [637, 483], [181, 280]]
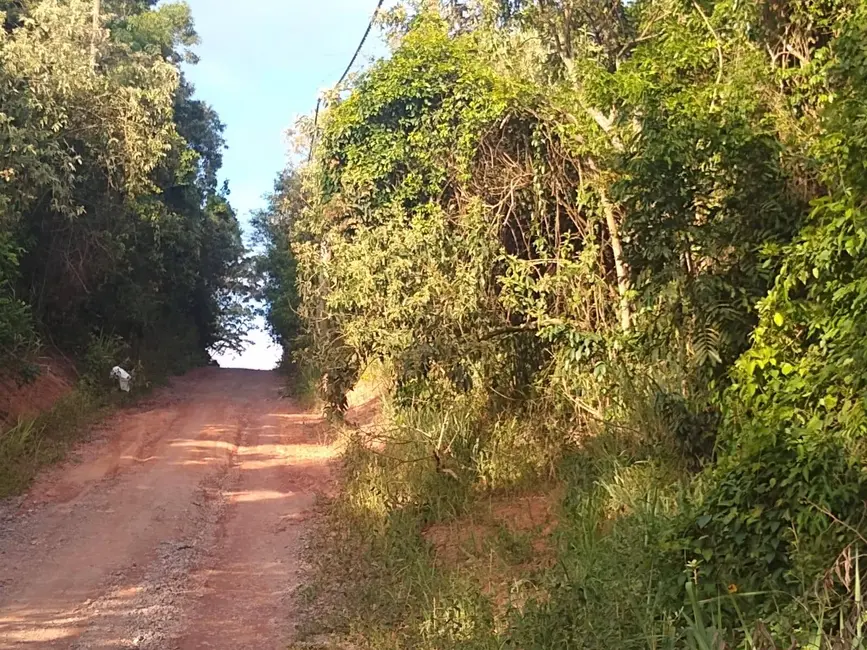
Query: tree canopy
[[112, 222], [620, 216]]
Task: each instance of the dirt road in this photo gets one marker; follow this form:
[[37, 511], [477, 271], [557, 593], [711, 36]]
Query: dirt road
[[179, 527]]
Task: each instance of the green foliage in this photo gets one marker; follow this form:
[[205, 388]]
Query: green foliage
[[17, 338], [789, 493], [31, 444], [276, 264], [112, 222], [635, 224], [774, 515]]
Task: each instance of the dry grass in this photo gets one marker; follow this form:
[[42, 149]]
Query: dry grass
[[34, 443], [503, 544]]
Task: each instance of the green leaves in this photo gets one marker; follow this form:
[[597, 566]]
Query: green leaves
[[407, 276], [794, 420], [480, 215], [108, 187]]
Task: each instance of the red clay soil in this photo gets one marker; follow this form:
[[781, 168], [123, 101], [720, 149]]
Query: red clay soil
[[180, 527], [469, 544], [56, 379]]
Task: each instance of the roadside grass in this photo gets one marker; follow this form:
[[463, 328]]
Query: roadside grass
[[37, 442], [434, 538], [300, 383], [456, 531], [606, 588]]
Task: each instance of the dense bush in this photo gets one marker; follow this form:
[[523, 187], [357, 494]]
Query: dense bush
[[112, 221], [637, 228]]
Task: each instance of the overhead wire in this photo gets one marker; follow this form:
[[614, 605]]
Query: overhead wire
[[344, 75]]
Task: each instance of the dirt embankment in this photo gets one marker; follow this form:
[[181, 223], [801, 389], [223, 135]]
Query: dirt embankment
[[56, 379], [179, 526]]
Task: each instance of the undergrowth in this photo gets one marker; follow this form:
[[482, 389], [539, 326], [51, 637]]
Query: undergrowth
[[427, 546], [36, 442], [33, 443], [612, 253]]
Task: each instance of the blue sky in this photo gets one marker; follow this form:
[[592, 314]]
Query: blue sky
[[262, 64]]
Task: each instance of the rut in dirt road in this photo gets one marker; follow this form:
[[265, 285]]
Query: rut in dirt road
[[180, 527]]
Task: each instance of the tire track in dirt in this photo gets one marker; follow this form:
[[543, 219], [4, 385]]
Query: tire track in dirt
[[179, 528]]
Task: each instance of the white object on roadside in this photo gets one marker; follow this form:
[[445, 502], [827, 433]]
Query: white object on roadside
[[122, 376]]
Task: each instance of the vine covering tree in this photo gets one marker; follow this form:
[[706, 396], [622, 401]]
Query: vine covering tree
[[635, 216]]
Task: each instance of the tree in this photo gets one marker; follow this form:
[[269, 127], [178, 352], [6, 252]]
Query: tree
[[113, 213]]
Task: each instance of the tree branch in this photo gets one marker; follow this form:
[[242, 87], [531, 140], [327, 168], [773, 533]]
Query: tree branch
[[719, 50]]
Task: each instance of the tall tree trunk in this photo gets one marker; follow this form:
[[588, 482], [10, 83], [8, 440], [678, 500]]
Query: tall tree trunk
[[94, 34], [620, 264]]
